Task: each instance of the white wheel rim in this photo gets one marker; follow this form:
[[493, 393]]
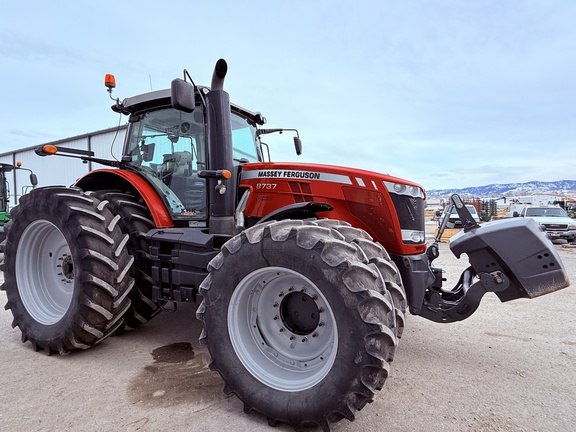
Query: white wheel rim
[[278, 346], [44, 272]]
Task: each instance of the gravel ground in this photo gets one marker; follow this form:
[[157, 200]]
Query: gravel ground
[[510, 367]]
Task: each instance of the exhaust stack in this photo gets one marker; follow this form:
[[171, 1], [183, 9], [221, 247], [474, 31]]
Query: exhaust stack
[[220, 71], [222, 198]]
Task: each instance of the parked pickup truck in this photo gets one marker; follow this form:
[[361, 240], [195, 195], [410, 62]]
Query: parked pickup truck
[[454, 220], [554, 219]]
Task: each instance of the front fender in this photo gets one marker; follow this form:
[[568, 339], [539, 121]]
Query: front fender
[[304, 210]]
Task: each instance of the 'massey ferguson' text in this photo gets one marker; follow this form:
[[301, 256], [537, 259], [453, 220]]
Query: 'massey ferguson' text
[[289, 174]]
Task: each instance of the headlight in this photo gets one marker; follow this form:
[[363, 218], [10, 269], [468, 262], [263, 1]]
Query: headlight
[[413, 236], [402, 189]]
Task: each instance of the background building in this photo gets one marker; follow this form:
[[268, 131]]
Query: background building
[[56, 170]]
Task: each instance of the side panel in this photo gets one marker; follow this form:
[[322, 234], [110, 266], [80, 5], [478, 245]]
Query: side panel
[[181, 257], [359, 197]]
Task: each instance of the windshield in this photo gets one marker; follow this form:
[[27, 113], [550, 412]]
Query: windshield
[[244, 143], [168, 147], [546, 211]]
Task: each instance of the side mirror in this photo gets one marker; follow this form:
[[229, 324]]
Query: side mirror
[[33, 179], [182, 95], [298, 145], [515, 214]]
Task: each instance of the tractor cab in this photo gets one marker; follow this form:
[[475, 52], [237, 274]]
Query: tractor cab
[[169, 148]]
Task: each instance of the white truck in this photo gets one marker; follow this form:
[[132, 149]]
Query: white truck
[[553, 219], [453, 219]]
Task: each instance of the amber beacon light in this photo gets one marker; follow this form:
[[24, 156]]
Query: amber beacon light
[[49, 149], [110, 82]]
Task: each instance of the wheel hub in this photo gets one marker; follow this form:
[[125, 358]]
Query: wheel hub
[[299, 313], [67, 268]]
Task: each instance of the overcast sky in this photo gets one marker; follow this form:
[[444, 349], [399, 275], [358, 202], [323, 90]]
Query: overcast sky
[[447, 93]]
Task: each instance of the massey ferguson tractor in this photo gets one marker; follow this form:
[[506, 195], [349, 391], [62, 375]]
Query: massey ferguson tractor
[[305, 272]]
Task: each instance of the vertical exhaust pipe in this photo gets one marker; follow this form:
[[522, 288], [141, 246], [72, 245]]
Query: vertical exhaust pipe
[[221, 206], [220, 71]]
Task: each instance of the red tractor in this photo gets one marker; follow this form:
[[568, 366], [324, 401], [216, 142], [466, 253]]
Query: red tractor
[[304, 272]]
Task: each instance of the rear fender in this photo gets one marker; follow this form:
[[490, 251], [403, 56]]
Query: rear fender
[[102, 179]]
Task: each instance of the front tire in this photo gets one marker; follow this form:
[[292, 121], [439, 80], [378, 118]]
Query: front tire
[[66, 270], [299, 324]]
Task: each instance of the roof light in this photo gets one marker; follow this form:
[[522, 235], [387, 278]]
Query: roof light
[[110, 81]]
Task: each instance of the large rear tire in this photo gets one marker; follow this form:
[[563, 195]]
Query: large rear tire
[[66, 270], [136, 221], [299, 324]]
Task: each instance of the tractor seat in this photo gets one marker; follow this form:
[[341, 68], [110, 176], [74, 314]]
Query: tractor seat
[[182, 164]]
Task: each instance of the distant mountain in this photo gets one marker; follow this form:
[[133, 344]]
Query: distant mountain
[[560, 187]]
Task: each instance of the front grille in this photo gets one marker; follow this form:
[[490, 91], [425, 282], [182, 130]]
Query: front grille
[[410, 211], [556, 227]]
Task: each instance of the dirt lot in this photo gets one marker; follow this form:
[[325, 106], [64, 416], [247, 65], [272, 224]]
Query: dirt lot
[[510, 367]]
